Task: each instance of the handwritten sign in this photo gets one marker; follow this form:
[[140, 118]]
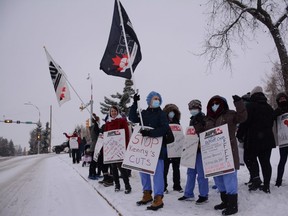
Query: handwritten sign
[[282, 129], [114, 146], [142, 152], [73, 142], [98, 147], [216, 151], [189, 153], [174, 149]]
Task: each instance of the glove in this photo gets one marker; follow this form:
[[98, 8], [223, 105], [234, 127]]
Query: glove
[[236, 98], [136, 98], [145, 133]]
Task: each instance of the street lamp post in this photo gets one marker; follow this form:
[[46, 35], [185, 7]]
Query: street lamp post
[[39, 124]]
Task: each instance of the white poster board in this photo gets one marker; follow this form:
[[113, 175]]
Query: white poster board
[[174, 149], [142, 153], [114, 146], [216, 151], [189, 153], [73, 143], [98, 147], [282, 130]]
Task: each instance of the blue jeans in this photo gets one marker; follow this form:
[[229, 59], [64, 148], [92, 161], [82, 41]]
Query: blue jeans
[[191, 179], [227, 183], [158, 179]]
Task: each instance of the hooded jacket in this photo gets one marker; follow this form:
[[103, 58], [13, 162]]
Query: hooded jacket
[[172, 107], [224, 115]]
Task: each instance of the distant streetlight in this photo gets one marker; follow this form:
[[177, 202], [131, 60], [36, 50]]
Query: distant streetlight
[[39, 124]]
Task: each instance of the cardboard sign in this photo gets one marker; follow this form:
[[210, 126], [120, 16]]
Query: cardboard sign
[[142, 153], [189, 153], [174, 149], [114, 146], [98, 147], [73, 142], [216, 151], [282, 130]]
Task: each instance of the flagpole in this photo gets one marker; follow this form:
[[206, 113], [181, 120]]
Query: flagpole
[[64, 75], [129, 62]]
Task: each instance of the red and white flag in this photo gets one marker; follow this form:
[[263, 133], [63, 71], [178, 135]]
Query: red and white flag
[[59, 80]]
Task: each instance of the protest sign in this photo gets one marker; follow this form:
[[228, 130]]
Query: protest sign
[[282, 130], [142, 152], [216, 151], [189, 153], [174, 149], [98, 146], [114, 146], [73, 143]]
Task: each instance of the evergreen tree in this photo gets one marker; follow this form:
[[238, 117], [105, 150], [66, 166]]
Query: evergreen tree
[[45, 139], [120, 100], [6, 148], [33, 140]]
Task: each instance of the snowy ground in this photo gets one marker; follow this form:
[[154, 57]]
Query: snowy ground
[[50, 185]]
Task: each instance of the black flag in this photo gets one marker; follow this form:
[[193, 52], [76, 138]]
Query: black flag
[[115, 59]]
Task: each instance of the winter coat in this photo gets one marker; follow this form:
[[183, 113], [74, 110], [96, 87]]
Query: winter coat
[[155, 118], [118, 123], [281, 108], [172, 107], [259, 124], [94, 132], [198, 122], [226, 116], [72, 136]]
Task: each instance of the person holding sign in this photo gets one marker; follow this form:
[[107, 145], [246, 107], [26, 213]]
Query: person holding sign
[[218, 114], [173, 114], [94, 132], [282, 108], [74, 138], [153, 117], [197, 121], [116, 121]]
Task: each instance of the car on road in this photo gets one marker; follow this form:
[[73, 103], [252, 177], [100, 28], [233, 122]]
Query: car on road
[[60, 148]]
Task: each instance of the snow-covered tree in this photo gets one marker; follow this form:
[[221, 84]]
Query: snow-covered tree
[[121, 100]]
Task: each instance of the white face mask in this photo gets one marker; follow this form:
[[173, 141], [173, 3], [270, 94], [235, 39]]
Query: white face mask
[[215, 107], [171, 115], [194, 112]]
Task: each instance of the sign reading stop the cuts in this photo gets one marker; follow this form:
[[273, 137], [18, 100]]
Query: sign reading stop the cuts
[[142, 152], [282, 130], [113, 146], [216, 151], [174, 149]]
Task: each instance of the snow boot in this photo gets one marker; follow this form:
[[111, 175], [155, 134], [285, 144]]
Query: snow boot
[[127, 189], [157, 203], [146, 198], [223, 204], [107, 181], [278, 182], [232, 204], [256, 184]]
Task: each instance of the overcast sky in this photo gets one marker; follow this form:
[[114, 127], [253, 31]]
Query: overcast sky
[[76, 33]]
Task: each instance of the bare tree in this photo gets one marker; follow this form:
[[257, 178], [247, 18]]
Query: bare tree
[[274, 84], [236, 20]]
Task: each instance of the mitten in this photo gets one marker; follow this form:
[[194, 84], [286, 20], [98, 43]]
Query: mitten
[[236, 98], [136, 98], [145, 132]]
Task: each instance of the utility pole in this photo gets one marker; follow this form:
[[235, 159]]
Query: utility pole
[[50, 129]]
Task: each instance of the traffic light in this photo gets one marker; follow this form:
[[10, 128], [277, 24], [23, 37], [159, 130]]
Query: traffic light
[[38, 137], [87, 123], [8, 121]]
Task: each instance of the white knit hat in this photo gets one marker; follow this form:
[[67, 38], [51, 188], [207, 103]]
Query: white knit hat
[[257, 89]]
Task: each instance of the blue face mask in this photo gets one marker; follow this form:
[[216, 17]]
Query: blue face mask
[[215, 107], [194, 112], [155, 104], [171, 115]]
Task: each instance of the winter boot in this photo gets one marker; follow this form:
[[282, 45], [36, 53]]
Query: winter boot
[[256, 184], [127, 189], [223, 204], [146, 198], [278, 182], [232, 204], [107, 180], [157, 203], [266, 188]]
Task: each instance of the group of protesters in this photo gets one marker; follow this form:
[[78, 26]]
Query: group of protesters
[[250, 124]]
